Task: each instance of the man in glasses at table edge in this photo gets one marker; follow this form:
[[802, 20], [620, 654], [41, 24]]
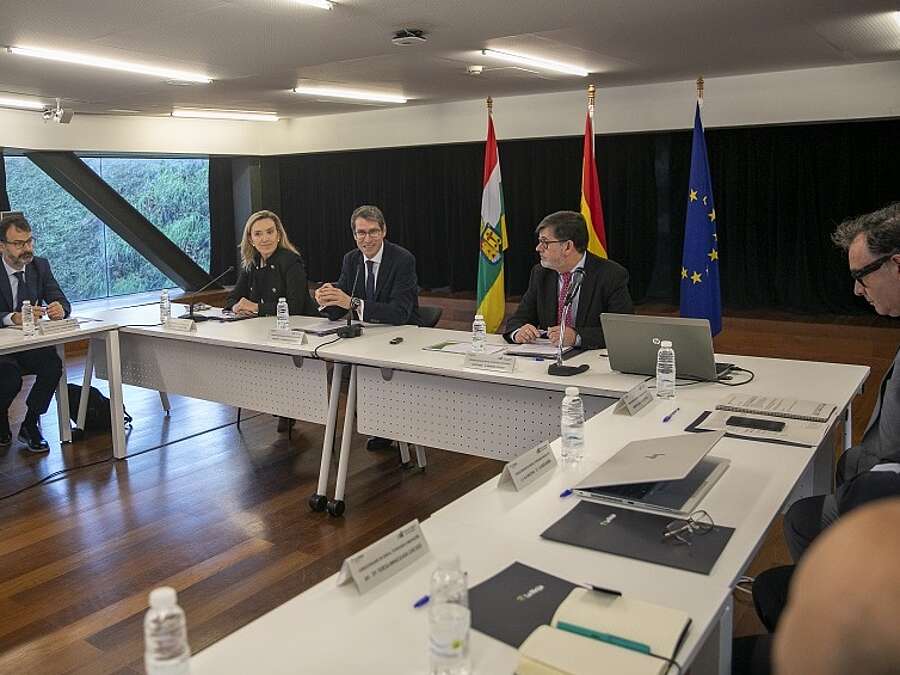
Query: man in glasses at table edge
[[27, 277], [379, 277], [562, 241], [866, 472]]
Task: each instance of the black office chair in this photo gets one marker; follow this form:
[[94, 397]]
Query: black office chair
[[429, 315]]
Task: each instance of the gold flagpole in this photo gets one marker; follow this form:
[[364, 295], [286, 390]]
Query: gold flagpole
[[700, 90], [490, 105]]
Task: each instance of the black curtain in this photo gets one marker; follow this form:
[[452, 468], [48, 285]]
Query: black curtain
[[222, 241], [4, 197], [779, 192]]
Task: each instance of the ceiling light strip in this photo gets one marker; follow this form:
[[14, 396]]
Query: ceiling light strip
[[320, 4], [351, 94], [244, 115], [543, 64], [22, 103], [110, 64]]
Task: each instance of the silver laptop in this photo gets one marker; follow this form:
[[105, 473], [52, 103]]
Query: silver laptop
[[632, 342], [668, 475]]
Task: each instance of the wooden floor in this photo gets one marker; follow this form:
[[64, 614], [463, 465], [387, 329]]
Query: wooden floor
[[220, 513]]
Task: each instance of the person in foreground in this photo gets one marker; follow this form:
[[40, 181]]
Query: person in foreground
[[27, 277], [843, 610], [380, 279], [271, 268], [562, 245]]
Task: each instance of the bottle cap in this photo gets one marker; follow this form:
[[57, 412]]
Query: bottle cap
[[665, 343], [163, 597], [282, 299], [571, 391], [479, 316]]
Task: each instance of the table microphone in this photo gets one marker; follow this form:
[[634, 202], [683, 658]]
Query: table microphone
[[352, 330], [199, 317], [558, 368]]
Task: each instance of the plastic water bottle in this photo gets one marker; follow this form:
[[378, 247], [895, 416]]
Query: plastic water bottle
[[282, 317], [665, 370], [572, 426], [449, 620], [479, 334], [165, 306], [166, 649], [27, 319]]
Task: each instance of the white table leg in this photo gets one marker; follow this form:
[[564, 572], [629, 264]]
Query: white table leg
[[317, 501], [715, 654], [420, 456], [848, 426], [343, 464], [404, 453], [116, 406], [164, 401], [85, 385], [62, 400]]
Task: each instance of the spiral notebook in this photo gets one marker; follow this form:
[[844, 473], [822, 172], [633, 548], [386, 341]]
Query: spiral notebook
[[772, 406]]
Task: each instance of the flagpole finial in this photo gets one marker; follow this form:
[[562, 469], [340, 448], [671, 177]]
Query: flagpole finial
[[700, 88], [490, 105], [592, 93]]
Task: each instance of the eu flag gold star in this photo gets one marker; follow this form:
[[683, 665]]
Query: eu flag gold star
[[683, 273], [713, 255], [693, 196], [712, 215], [695, 277], [704, 200]]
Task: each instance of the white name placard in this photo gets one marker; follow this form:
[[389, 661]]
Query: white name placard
[[493, 363], [383, 559], [634, 400], [296, 337], [183, 325], [58, 326], [529, 466]]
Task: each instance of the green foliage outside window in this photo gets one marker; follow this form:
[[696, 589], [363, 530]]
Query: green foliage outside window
[[88, 259]]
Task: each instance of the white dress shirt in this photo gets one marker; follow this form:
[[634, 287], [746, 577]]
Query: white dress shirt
[[377, 260]]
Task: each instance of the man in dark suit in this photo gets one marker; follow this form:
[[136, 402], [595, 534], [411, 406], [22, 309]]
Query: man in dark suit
[[378, 280], [384, 275], [26, 277], [562, 244]]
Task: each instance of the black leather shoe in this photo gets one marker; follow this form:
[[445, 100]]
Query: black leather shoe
[[5, 433], [31, 436], [285, 424], [378, 443]]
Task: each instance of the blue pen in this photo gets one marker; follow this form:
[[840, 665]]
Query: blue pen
[[421, 602], [565, 493], [670, 415]]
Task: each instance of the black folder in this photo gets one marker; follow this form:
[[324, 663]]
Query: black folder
[[512, 603], [638, 535]]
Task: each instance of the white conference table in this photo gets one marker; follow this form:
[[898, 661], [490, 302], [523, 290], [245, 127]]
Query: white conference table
[[491, 527], [12, 340]]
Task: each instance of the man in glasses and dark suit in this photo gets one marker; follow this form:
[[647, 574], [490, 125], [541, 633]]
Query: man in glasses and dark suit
[[27, 277]]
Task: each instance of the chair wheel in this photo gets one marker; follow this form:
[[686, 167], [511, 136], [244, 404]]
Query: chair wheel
[[317, 502], [336, 507]]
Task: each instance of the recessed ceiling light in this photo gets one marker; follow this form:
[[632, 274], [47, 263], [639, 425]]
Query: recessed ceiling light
[[321, 4], [111, 64], [21, 103], [534, 62], [897, 17], [351, 94], [246, 115]]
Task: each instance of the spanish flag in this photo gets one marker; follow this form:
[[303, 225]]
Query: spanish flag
[[591, 207], [493, 242]]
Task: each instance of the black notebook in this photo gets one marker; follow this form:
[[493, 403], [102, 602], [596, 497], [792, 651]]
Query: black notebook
[[512, 603], [638, 535]]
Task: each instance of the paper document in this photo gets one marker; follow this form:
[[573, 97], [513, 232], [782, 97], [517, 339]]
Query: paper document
[[774, 406], [457, 347], [327, 327], [540, 347], [799, 432]]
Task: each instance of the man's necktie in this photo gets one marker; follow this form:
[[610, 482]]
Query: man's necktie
[[563, 291], [370, 280], [22, 291]]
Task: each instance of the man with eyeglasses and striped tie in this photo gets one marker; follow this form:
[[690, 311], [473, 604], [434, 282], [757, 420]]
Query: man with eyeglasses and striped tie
[[562, 240], [27, 277]]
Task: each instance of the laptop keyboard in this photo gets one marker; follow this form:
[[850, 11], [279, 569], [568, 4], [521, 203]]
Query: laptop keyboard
[[631, 491]]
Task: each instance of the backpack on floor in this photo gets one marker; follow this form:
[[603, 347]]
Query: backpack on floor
[[97, 417]]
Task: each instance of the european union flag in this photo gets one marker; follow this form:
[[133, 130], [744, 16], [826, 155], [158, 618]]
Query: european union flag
[[700, 296]]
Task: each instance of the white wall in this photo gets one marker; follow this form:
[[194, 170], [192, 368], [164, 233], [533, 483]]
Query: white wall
[[819, 94]]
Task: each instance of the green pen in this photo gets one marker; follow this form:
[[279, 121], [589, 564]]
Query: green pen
[[604, 637]]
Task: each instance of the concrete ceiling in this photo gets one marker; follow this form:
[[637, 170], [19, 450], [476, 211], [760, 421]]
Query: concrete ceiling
[[257, 50]]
